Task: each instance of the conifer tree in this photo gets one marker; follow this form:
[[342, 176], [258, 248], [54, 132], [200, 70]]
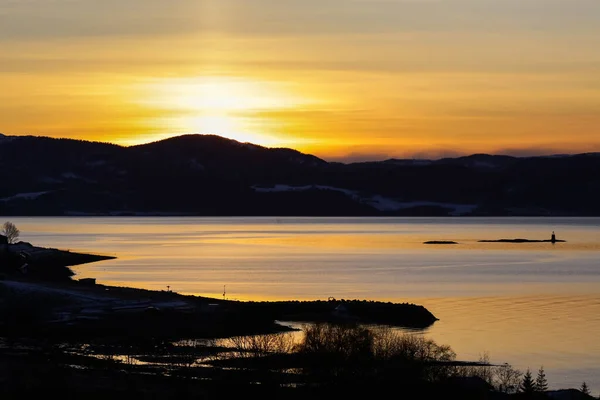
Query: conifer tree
[[585, 389], [527, 384], [541, 383]]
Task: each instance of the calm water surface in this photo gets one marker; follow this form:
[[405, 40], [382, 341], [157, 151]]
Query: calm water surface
[[531, 305]]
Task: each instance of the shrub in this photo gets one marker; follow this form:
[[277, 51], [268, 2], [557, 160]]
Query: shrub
[[262, 345]]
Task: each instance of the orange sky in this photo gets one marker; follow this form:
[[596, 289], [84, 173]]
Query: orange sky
[[342, 79]]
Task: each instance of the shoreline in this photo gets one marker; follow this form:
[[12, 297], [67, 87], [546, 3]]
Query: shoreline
[[39, 271]]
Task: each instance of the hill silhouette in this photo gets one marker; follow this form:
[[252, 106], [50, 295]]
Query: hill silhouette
[[211, 175]]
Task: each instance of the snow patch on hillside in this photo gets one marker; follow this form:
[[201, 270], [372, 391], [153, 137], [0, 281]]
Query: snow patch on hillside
[[24, 196], [96, 164], [378, 202], [288, 188], [6, 139], [483, 164], [50, 180], [196, 165], [74, 176], [70, 175]]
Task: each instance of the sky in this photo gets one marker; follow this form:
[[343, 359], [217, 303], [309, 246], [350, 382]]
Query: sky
[[345, 80]]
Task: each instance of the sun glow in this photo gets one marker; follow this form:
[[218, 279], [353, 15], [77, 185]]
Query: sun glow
[[229, 107], [217, 94]]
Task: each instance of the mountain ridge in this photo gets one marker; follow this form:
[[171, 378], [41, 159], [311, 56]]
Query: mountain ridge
[[211, 175], [393, 159]]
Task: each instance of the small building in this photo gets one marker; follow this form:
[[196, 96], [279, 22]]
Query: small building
[[3, 243]]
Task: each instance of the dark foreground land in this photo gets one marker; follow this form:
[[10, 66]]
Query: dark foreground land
[[61, 337], [93, 341]]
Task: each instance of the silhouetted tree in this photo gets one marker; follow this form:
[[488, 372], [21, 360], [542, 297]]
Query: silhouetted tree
[[585, 389], [11, 232], [507, 379], [527, 384], [352, 351], [485, 371], [541, 383]]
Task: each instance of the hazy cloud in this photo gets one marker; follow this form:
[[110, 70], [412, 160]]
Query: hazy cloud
[[50, 19], [43, 19]]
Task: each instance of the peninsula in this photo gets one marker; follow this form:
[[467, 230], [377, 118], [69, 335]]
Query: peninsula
[[25, 261]]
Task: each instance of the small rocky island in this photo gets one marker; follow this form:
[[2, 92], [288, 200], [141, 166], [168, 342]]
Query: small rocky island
[[440, 242], [522, 241], [552, 240]]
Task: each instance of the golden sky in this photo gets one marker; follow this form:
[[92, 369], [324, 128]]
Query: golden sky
[[342, 79]]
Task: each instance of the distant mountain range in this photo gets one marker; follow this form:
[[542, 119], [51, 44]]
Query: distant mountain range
[[213, 176]]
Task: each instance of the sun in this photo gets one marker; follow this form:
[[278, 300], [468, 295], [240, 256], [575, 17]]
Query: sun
[[218, 95]]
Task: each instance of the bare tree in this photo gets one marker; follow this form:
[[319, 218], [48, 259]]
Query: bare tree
[[11, 232], [507, 379], [483, 369]]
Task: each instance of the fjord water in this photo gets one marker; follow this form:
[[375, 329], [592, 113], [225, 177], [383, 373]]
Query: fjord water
[[528, 304]]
